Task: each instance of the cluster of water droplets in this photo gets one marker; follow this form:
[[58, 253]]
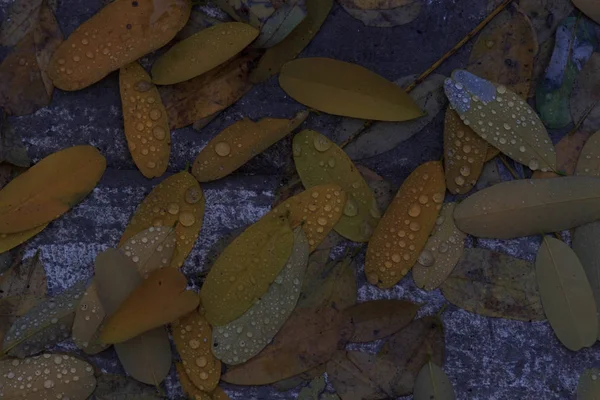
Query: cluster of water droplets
[[151, 249]]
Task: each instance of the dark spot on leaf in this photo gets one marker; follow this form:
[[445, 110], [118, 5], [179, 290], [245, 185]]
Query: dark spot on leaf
[[128, 26]]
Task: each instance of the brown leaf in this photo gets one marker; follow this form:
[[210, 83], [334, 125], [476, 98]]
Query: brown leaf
[[21, 18], [381, 188], [377, 319], [585, 96], [568, 150], [349, 379], [383, 13]]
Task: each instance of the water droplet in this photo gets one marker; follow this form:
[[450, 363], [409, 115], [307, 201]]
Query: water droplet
[[465, 170], [331, 162], [223, 149], [414, 226], [151, 164], [440, 220], [594, 377], [423, 199], [159, 132], [186, 218], [142, 86], [76, 58], [155, 114], [321, 143], [193, 195], [350, 208], [396, 257], [534, 164], [459, 180], [201, 362], [48, 384], [322, 221], [501, 89], [426, 258], [139, 126], [438, 197], [203, 375], [443, 247], [414, 210], [173, 208]]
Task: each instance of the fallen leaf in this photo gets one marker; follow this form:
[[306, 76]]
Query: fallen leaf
[[350, 380], [12, 150], [313, 390], [239, 143], [147, 357], [117, 387], [207, 94], [22, 17], [381, 137], [290, 383], [540, 62], [566, 294], [89, 316], [433, 383], [160, 299], [52, 383], [403, 231], [346, 89], [522, 137], [575, 42], [11, 240], [589, 159], [202, 52], [377, 319], [177, 202], [589, 8], [586, 249], [383, 13], [246, 268], [197, 22], [117, 35], [145, 120], [319, 161], [586, 95], [546, 15], [529, 207], [188, 387], [289, 48], [64, 178], [306, 340], [382, 189], [44, 325], [588, 387], [442, 251], [193, 338], [495, 285], [568, 151]]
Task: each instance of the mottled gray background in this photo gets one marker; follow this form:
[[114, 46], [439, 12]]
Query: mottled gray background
[[486, 358]]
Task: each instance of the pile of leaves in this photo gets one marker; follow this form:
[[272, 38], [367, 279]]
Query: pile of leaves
[[276, 306]]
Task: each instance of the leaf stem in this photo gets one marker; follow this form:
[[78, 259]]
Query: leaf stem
[[441, 311]]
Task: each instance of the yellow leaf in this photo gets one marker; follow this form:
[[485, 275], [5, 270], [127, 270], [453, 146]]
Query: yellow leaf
[[240, 142], [117, 35], [188, 387], [145, 119], [177, 201], [50, 188], [202, 52], [341, 88], [403, 231], [11, 240]]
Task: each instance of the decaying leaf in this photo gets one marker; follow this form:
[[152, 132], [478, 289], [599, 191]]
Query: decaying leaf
[[12, 150], [403, 231], [385, 136], [316, 391], [529, 207], [540, 62], [44, 325], [350, 380], [177, 202], [502, 118], [22, 17], [433, 384], [588, 387], [145, 119], [246, 268], [202, 52], [243, 338], [117, 35], [383, 14], [589, 159], [382, 189], [346, 89], [377, 319], [192, 336], [585, 96], [568, 151], [47, 376], [11, 240], [117, 387], [207, 94], [188, 387], [495, 285], [64, 178], [546, 15], [566, 295], [586, 249], [147, 357], [160, 299], [286, 50], [319, 161], [240, 142]]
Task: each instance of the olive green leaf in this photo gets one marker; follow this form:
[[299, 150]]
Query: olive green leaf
[[496, 285], [319, 161], [377, 319], [433, 384], [566, 294], [589, 159], [346, 89], [243, 338], [529, 207], [381, 137], [588, 252], [502, 118], [588, 387], [383, 14], [348, 373]]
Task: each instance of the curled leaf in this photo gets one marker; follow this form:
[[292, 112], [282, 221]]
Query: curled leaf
[[403, 231], [239, 143], [377, 319], [588, 387], [383, 14], [433, 383], [341, 88]]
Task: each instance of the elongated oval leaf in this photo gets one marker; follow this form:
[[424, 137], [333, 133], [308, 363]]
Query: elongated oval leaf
[[403, 231], [341, 88], [88, 318], [50, 188], [568, 151], [502, 118], [240, 142], [243, 338], [193, 338], [433, 384], [584, 245], [441, 253], [319, 161], [177, 201], [566, 294], [496, 285], [585, 96], [589, 159], [588, 387], [530, 207], [202, 52], [160, 298], [11, 240], [246, 268], [47, 376], [377, 319], [188, 387], [145, 119], [119, 34]]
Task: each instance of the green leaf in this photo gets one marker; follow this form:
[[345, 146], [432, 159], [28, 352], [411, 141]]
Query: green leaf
[[433, 384], [588, 387], [566, 294], [392, 13]]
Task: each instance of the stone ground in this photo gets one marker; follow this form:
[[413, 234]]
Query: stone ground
[[486, 358]]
